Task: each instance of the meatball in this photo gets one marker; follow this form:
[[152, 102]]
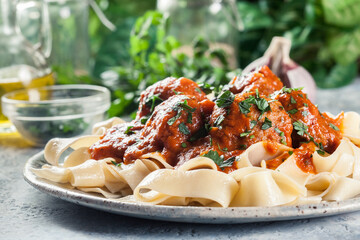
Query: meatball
[[169, 128], [115, 141], [164, 89], [309, 123], [250, 118], [262, 79]]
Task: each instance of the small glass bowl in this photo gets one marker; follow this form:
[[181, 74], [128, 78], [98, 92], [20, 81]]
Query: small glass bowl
[[40, 114]]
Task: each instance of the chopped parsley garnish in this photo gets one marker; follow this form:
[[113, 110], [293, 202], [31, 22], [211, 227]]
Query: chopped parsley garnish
[[198, 90], [292, 100], [267, 124], [219, 160], [293, 111], [290, 153], [306, 105], [321, 152], [282, 135], [179, 108], [225, 99], [252, 136], [219, 120], [300, 127], [305, 113], [143, 120], [277, 130], [244, 107], [223, 150], [244, 134], [128, 130], [177, 93], [152, 101], [184, 129], [259, 102], [289, 90], [252, 124], [243, 146], [116, 164], [334, 127], [262, 104], [184, 145], [173, 119], [207, 88], [300, 95]]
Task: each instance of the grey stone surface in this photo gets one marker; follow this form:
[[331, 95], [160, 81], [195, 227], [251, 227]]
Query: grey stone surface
[[26, 213]]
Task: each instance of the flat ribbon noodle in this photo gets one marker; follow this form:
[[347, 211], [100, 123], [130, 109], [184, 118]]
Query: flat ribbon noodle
[[264, 187], [257, 153], [166, 185], [57, 146], [350, 127], [101, 127]]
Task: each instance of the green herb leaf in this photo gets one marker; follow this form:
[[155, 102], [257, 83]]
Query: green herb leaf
[[300, 127], [292, 100], [253, 124], [225, 99], [128, 130], [290, 152], [207, 88], [219, 160], [244, 134], [143, 120], [321, 152], [267, 124], [243, 147], [334, 127], [244, 107], [262, 105], [152, 101], [293, 111], [172, 120], [184, 145], [184, 129], [116, 164], [289, 90]]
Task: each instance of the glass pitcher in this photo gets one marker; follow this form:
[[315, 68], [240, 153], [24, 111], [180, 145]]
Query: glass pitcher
[[21, 64], [217, 21]]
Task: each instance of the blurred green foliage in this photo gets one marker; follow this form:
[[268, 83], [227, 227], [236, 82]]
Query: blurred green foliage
[[151, 58], [325, 35]]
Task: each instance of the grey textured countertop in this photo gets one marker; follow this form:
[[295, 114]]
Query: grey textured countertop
[[27, 213]]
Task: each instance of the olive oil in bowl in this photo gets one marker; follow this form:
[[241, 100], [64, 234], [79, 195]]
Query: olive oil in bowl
[[19, 77]]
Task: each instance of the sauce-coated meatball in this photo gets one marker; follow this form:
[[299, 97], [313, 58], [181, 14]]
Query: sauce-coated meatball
[[250, 119], [262, 79], [164, 89]]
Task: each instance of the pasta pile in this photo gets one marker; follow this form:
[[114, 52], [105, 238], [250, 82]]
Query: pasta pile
[[150, 179]]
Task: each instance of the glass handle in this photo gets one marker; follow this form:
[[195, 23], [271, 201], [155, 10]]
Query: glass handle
[[44, 39], [234, 17]]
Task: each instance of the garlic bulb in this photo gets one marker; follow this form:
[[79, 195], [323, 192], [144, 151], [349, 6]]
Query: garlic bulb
[[277, 58]]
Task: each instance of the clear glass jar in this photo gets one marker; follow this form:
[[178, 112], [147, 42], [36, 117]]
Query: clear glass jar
[[214, 20], [21, 64]]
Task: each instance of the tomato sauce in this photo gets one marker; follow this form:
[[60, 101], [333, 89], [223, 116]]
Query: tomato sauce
[[176, 119]]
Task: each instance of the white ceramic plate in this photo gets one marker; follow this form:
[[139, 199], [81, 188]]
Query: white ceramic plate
[[184, 214]]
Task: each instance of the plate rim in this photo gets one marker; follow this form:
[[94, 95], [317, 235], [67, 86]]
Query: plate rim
[[190, 214]]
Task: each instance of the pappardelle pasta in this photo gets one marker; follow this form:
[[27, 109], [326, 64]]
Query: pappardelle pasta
[[256, 143]]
